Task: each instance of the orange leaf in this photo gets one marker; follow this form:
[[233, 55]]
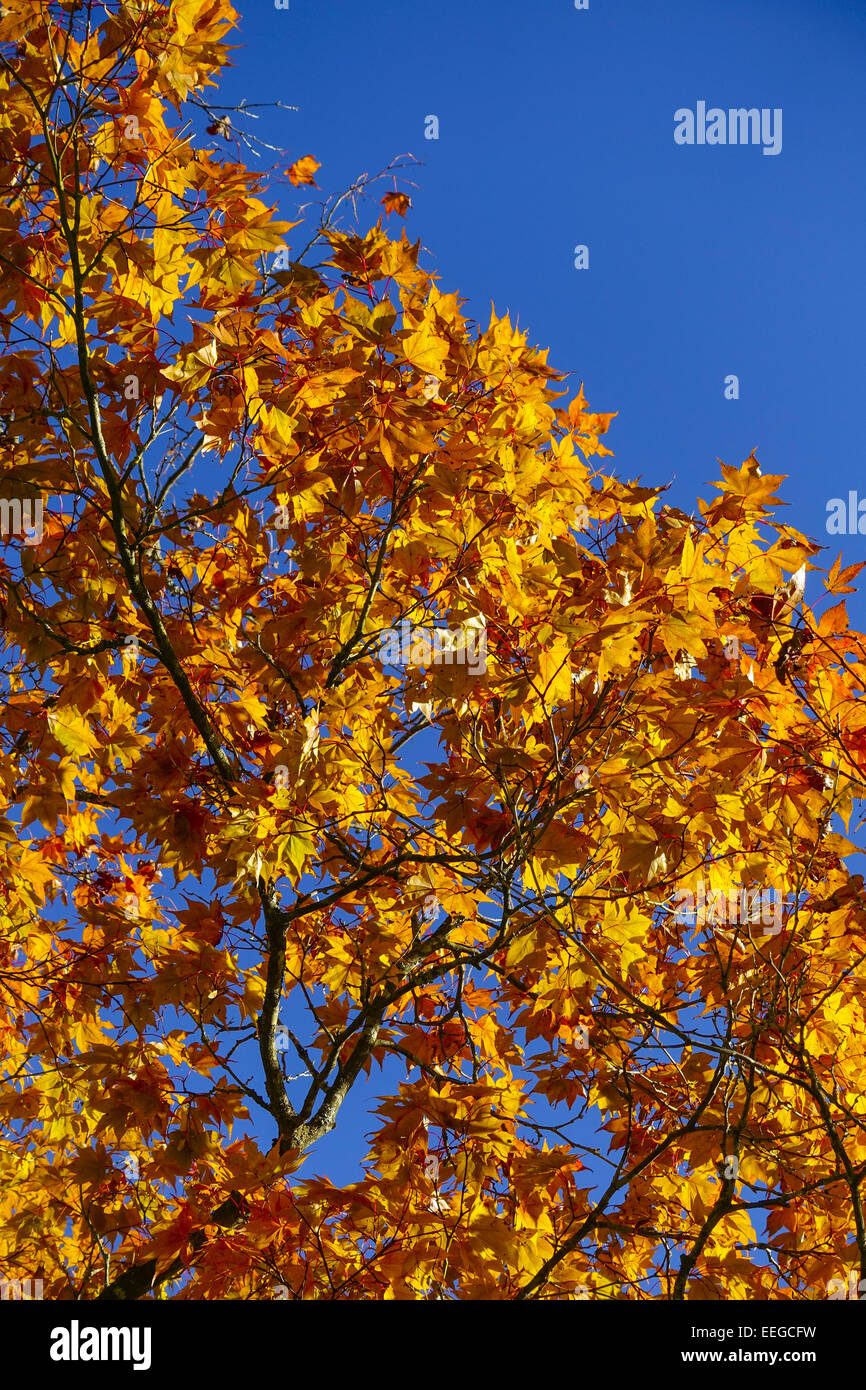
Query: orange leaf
[[397, 202], [302, 171]]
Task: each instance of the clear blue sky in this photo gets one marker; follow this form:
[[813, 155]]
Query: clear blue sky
[[557, 128]]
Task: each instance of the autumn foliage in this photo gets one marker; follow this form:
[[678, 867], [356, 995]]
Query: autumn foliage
[[248, 867]]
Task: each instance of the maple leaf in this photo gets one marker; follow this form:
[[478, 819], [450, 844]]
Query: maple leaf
[[397, 202], [302, 171]]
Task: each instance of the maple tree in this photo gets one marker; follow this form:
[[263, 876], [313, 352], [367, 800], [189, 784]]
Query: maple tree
[[248, 866]]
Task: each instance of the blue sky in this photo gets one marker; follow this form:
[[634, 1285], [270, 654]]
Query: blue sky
[[556, 128]]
